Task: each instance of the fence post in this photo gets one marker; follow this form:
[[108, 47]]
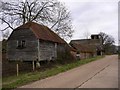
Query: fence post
[[33, 65], [17, 69]]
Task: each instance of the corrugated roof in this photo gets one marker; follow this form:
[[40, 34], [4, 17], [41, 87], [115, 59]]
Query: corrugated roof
[[42, 32]]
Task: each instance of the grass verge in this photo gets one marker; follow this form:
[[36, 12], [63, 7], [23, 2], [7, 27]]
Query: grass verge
[[14, 81]]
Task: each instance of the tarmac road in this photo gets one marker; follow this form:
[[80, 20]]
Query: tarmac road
[[102, 73]]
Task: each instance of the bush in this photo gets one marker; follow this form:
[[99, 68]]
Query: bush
[[64, 57]]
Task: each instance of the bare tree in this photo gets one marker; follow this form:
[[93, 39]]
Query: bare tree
[[107, 41], [86, 34], [6, 34], [48, 12]]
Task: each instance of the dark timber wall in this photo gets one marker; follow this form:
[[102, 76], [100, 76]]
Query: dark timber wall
[[29, 53], [47, 50]]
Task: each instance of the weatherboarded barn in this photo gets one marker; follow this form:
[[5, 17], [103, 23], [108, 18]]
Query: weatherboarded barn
[[73, 52], [87, 47], [34, 42], [84, 51]]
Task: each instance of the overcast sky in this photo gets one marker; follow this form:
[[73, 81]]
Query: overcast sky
[[93, 16]]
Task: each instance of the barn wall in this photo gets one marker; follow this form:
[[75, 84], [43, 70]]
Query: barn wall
[[84, 55], [63, 54], [29, 52], [73, 53], [61, 48], [47, 50]]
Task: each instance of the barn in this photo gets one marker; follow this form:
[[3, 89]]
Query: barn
[[87, 48], [33, 42]]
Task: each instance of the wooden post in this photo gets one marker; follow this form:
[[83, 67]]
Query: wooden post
[[38, 50], [33, 65], [38, 62], [101, 53], [55, 50], [17, 69]]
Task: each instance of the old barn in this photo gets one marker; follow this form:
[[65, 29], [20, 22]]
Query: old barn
[[87, 48], [34, 42]]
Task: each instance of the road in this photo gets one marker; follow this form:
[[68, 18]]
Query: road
[[102, 73]]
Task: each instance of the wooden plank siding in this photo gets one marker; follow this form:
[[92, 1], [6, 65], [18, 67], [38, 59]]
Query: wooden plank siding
[[30, 52], [47, 50]]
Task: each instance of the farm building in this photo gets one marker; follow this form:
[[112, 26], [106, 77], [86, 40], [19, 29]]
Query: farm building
[[33, 42], [73, 52], [87, 47]]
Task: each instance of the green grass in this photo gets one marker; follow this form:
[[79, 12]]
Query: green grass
[[22, 79]]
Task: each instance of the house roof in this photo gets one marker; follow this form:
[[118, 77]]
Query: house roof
[[79, 41], [87, 42], [41, 32], [84, 48]]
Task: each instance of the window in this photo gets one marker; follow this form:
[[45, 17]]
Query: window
[[21, 44]]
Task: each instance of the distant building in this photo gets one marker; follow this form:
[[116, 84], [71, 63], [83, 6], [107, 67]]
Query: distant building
[[73, 52], [88, 47]]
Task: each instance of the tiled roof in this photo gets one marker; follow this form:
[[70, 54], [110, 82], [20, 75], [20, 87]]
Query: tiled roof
[[42, 32], [84, 48]]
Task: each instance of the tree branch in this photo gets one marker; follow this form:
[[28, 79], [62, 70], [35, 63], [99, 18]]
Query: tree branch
[[39, 11], [7, 23]]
